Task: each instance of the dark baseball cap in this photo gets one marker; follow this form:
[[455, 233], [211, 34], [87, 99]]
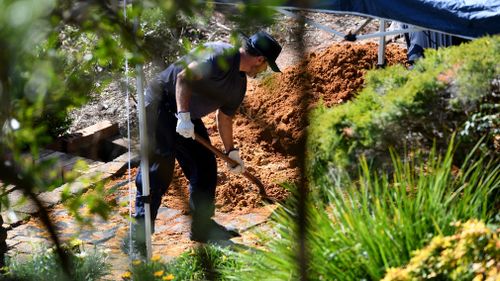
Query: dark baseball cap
[[266, 46]]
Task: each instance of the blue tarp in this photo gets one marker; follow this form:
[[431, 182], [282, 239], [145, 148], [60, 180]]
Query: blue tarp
[[471, 18]]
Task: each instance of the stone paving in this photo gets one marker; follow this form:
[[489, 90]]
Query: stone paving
[[26, 233], [170, 240]]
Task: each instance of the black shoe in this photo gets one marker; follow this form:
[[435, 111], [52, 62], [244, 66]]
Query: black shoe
[[210, 231]]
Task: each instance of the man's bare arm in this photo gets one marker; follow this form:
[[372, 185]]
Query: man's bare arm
[[225, 127], [182, 88]]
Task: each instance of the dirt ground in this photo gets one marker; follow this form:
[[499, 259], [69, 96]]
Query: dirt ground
[[270, 122]]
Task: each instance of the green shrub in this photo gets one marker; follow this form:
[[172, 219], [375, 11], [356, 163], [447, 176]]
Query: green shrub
[[44, 265], [472, 253], [377, 221], [58, 74], [453, 90], [201, 263]]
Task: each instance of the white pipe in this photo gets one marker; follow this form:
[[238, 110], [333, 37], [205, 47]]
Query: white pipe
[[381, 44], [129, 170], [144, 155], [386, 33]]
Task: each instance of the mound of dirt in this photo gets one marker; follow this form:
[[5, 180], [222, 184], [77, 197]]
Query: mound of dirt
[[272, 108]]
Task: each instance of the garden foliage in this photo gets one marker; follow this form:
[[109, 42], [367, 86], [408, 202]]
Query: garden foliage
[[378, 220], [44, 264], [54, 53], [201, 263]]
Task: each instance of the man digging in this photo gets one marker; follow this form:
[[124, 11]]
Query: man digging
[[214, 80]]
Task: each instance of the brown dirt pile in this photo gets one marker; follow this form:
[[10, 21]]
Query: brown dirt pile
[[273, 105]]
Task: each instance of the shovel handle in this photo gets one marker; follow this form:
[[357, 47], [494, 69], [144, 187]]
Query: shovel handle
[[247, 174]]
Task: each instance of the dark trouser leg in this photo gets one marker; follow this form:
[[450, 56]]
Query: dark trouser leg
[[161, 160], [161, 135], [161, 172], [160, 176], [200, 167]]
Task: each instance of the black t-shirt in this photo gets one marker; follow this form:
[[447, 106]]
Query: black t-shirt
[[222, 85]]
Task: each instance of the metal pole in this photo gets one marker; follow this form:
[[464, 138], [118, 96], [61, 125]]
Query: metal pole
[[387, 33], [381, 45], [144, 155]]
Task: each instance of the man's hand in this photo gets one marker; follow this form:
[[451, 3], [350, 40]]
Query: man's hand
[[185, 127], [235, 155]]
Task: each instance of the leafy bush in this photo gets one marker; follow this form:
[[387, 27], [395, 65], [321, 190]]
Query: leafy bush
[[168, 36], [202, 263], [56, 70], [377, 221], [45, 265], [452, 90], [472, 253], [162, 35]]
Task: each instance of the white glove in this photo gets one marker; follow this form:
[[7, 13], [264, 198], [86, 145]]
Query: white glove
[[185, 127], [235, 155]]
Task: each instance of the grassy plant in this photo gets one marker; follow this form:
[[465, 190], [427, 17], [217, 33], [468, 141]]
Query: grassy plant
[[376, 222], [44, 265], [388, 218], [202, 263]]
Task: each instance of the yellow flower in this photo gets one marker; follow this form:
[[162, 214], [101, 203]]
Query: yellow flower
[[75, 242], [136, 262], [127, 275], [159, 273], [168, 277], [478, 277], [156, 258], [396, 274]]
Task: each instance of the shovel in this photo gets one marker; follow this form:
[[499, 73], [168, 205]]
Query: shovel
[[252, 178]]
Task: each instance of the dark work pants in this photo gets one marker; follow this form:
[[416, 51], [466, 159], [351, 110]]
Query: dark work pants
[[198, 165]]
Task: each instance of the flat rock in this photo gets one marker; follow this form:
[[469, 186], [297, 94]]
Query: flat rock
[[167, 213]]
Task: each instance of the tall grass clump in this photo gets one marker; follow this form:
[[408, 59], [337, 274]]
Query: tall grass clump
[[377, 221], [44, 265]]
